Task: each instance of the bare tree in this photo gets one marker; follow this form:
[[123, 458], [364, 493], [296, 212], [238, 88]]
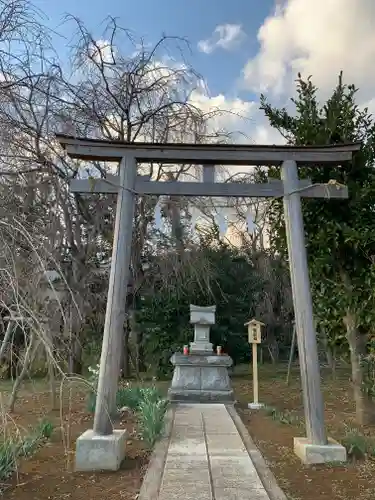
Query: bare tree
[[22, 35], [136, 98], [106, 94]]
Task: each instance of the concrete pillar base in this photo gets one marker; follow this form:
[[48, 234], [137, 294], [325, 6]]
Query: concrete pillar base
[[95, 452], [255, 406], [319, 454]]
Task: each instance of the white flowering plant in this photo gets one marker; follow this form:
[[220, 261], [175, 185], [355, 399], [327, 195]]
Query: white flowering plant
[[94, 374]]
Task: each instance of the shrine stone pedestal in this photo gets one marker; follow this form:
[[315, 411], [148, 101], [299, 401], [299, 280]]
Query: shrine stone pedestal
[[201, 377]]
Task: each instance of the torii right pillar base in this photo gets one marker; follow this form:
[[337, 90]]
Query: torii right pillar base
[[332, 452]]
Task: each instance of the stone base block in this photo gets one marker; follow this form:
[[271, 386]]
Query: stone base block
[[196, 396], [201, 379], [95, 452], [255, 406], [319, 454], [201, 348]]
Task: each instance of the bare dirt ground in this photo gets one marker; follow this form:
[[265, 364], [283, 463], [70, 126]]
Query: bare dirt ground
[[275, 439], [49, 474]]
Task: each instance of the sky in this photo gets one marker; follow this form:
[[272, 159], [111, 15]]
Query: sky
[[245, 47]]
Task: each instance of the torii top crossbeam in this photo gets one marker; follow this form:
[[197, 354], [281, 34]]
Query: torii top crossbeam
[[222, 154]]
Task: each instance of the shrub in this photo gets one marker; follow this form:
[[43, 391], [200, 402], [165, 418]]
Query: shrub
[[147, 402], [29, 443], [12, 449], [357, 445], [91, 402], [45, 429], [284, 417], [9, 451], [151, 412], [129, 397]]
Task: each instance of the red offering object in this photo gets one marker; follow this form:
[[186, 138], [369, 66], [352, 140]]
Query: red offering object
[[186, 350]]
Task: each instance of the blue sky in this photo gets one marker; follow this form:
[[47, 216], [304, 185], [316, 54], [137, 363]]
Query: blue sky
[[276, 39], [195, 20]]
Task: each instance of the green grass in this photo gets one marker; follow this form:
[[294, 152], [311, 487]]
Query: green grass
[[151, 413], [358, 446], [12, 449], [284, 417]]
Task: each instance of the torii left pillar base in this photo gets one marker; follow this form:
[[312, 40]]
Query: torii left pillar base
[[100, 453]]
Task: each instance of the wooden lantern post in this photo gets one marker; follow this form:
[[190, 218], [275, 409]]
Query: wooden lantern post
[[254, 328]]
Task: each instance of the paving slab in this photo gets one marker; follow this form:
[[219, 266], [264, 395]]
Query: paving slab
[[178, 494], [187, 447], [173, 475], [206, 458], [234, 472], [186, 463], [240, 494], [225, 445]]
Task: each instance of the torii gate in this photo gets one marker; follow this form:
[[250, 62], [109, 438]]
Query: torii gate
[[127, 185]]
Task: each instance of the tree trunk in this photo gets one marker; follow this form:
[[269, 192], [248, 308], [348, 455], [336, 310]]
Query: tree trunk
[[14, 362], [75, 357], [177, 228], [329, 357], [52, 381], [291, 353], [137, 354], [329, 352], [332, 354], [125, 362], [5, 342], [363, 402], [140, 352], [74, 327], [273, 349], [31, 351]]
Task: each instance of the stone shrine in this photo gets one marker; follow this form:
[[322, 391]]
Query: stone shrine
[[201, 376]]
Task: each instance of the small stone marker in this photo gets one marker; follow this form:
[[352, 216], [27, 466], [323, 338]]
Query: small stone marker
[[202, 318], [254, 328]]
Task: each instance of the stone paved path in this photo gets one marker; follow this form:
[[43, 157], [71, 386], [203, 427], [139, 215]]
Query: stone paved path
[[207, 459]]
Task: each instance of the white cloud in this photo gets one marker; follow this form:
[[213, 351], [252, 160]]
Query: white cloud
[[231, 114], [263, 133], [241, 118], [370, 105], [236, 115], [102, 50], [224, 36], [318, 38]]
